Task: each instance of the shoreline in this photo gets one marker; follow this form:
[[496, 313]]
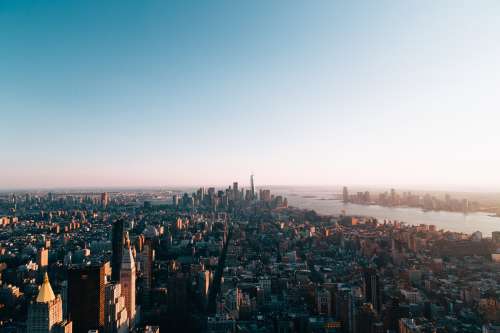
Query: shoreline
[[450, 221], [490, 213]]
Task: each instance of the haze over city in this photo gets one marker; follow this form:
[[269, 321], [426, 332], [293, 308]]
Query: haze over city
[[263, 166], [129, 93]]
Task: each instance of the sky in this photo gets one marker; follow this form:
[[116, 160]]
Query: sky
[[171, 93]]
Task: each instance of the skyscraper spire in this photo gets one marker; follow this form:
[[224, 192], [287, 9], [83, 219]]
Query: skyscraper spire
[[45, 294]]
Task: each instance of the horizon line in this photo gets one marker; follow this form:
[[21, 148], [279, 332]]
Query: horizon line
[[434, 188]]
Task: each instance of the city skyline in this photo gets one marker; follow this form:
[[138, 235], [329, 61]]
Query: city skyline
[[127, 94], [226, 260], [249, 167]]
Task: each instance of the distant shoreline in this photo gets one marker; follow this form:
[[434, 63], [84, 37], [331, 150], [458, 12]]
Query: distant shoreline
[[488, 212]]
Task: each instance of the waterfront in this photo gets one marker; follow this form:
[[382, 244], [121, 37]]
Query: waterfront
[[322, 200]]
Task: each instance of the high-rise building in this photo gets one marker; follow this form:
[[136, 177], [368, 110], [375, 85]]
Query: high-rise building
[[43, 258], [204, 284], [236, 192], [115, 312], [495, 236], [46, 312], [252, 187], [393, 197], [345, 305], [372, 288], [117, 247], [104, 199], [367, 321], [86, 297], [200, 194], [345, 195], [178, 301], [323, 302], [175, 200], [127, 282], [248, 195], [265, 195], [64, 296], [146, 258]]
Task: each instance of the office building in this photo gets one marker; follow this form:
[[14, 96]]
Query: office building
[[86, 297], [252, 187], [104, 199], [127, 282], [372, 289], [115, 312], [117, 248], [43, 258], [345, 195], [146, 260], [46, 311], [236, 192]]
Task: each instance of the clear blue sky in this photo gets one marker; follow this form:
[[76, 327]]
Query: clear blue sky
[[131, 93]]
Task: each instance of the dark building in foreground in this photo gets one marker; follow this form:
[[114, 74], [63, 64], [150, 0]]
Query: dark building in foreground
[[117, 247], [372, 288], [86, 297]]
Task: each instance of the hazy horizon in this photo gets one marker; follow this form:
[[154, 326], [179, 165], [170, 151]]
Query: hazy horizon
[[337, 187], [137, 94]]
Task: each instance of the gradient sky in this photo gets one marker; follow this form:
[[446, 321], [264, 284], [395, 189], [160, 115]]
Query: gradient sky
[[133, 93]]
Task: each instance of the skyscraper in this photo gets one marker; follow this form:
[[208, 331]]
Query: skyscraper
[[372, 288], [104, 199], [236, 193], [345, 195], [86, 297], [146, 257], [117, 247], [127, 282], [252, 187], [178, 302], [46, 311]]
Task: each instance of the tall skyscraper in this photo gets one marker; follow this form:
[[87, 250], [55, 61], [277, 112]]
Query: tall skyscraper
[[117, 247], [146, 258], [86, 297], [46, 312], [372, 288], [127, 282], [236, 192], [178, 301], [345, 195], [175, 200], [252, 187], [104, 199], [265, 195]]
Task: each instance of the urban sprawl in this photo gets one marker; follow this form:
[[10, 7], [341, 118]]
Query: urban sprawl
[[236, 260]]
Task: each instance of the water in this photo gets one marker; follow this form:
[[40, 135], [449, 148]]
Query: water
[[310, 198]]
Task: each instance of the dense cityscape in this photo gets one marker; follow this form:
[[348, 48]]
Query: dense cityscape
[[233, 260], [132, 131]]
